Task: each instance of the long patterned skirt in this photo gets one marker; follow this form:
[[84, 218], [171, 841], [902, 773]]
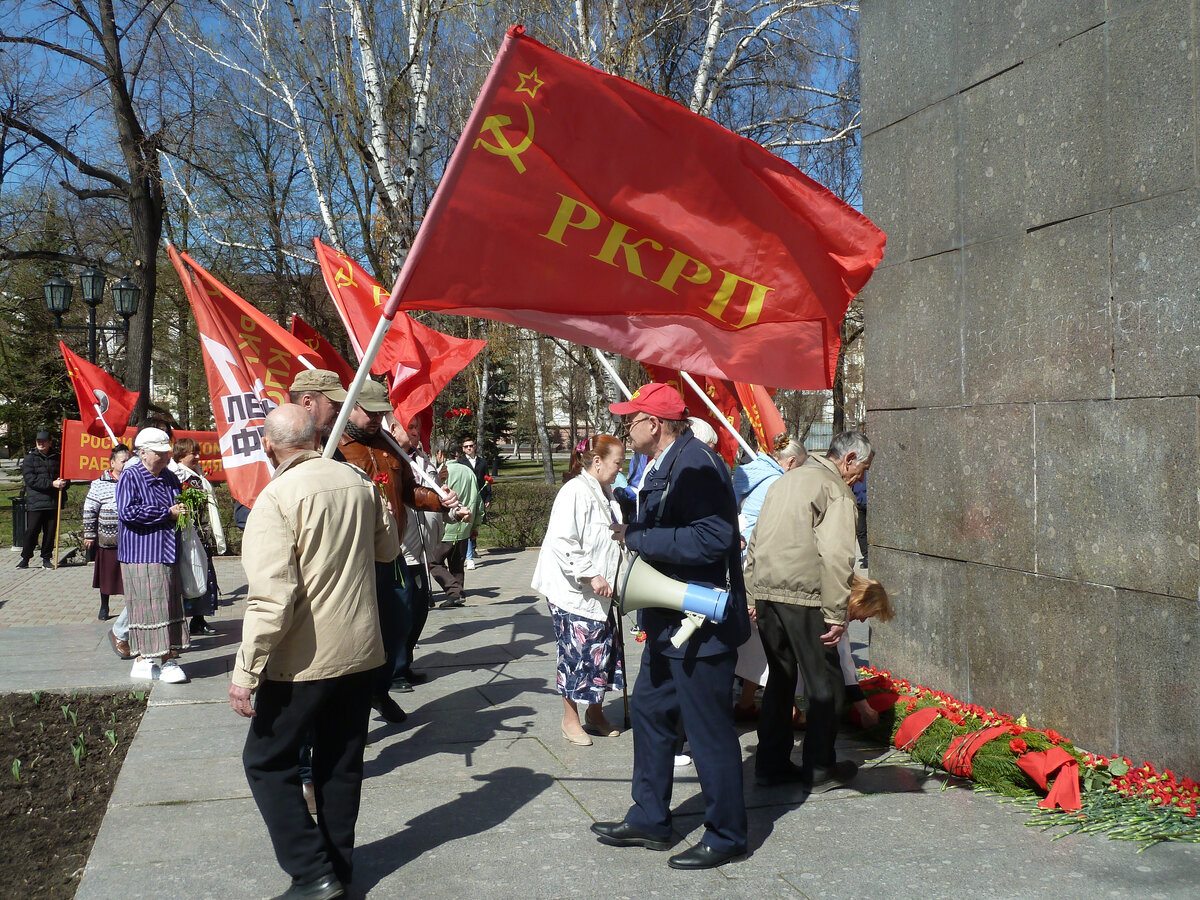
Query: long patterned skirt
[[156, 620], [588, 665]]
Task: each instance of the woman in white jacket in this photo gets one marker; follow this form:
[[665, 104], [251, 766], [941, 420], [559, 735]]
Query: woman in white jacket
[[575, 573]]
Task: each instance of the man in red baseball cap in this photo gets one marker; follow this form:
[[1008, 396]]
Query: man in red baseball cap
[[686, 528], [655, 399]]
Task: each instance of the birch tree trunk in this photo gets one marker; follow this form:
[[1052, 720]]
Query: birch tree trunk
[[539, 411]]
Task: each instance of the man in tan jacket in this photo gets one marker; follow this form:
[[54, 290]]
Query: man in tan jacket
[[310, 640], [798, 570]]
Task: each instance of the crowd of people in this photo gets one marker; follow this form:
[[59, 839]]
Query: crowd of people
[[339, 555]]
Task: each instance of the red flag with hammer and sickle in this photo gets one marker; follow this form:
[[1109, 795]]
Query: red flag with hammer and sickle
[[418, 360], [584, 206]]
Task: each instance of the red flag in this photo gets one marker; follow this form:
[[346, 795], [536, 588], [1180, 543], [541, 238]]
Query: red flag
[[584, 206], [96, 388], [417, 360], [329, 353], [720, 392], [763, 414], [250, 362]]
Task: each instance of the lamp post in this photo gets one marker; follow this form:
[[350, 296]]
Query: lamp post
[[91, 283]]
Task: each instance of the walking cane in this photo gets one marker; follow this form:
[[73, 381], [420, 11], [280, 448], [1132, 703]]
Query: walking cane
[[619, 631], [57, 523]]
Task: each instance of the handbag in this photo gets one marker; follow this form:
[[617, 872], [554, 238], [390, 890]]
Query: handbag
[[193, 564]]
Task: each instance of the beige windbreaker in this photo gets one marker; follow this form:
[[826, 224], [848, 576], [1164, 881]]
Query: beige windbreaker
[[309, 552], [803, 548]]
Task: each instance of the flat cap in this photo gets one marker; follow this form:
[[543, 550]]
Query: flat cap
[[320, 381]]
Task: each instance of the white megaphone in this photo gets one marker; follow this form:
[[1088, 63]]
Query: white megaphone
[[641, 586]]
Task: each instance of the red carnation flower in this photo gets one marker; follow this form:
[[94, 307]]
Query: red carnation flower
[[1054, 736], [1017, 746]]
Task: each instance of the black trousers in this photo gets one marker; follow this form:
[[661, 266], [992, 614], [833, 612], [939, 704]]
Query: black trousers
[[334, 713], [791, 637], [393, 591], [418, 617], [697, 693], [39, 520]]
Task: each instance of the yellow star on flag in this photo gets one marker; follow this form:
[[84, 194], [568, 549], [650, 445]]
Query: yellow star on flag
[[529, 83]]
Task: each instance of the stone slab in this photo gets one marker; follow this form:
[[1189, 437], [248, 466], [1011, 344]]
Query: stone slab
[[1156, 296], [1151, 133], [1066, 115], [920, 300], [1036, 315], [1117, 493], [992, 36], [1157, 656], [907, 58], [927, 641], [956, 482], [995, 157]]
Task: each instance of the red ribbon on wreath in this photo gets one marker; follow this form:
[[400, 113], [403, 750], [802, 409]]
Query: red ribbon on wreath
[[962, 749], [1044, 764], [914, 726]]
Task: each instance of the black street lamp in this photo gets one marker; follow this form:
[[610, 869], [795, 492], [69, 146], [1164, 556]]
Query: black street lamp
[[91, 283]]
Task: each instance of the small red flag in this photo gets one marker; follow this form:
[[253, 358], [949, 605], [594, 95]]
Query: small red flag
[[250, 362], [583, 206], [764, 416], [329, 353], [720, 392], [418, 361], [101, 397]]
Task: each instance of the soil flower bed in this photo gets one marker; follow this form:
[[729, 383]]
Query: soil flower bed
[[1070, 789], [59, 759]]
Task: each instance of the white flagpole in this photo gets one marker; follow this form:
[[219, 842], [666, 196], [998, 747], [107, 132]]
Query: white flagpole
[[719, 415], [104, 422], [612, 373], [360, 378]]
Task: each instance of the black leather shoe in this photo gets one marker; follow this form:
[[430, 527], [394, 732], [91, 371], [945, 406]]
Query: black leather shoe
[[23, 564], [327, 887], [792, 774], [401, 686], [824, 778], [622, 834], [703, 856], [389, 710]]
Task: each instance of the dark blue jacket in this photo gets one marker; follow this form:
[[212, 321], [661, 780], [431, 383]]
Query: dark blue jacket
[[687, 529]]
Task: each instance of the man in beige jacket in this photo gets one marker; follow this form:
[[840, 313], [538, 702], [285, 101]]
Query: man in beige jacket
[[798, 570], [310, 640]]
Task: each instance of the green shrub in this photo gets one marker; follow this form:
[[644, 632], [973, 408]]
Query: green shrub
[[518, 514]]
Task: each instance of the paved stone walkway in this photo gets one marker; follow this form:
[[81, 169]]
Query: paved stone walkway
[[477, 795]]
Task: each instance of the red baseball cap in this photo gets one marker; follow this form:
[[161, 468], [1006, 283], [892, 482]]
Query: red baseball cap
[[654, 399]]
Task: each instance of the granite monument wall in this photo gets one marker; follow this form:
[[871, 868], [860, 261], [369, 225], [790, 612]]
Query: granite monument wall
[[1033, 359]]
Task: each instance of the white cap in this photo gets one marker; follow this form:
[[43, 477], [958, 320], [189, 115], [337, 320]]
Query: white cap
[[152, 439]]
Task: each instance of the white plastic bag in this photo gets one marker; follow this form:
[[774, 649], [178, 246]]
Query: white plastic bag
[[193, 564]]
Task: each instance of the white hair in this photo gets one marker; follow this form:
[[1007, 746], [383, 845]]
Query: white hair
[[703, 431]]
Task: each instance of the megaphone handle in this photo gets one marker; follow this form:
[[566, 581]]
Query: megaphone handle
[[687, 629]]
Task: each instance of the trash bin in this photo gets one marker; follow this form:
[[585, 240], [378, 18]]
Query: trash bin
[[18, 521]]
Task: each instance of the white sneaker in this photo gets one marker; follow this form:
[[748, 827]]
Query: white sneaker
[[172, 673], [682, 760], [144, 669], [469, 564]]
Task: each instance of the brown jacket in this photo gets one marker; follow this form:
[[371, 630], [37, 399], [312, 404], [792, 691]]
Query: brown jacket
[[803, 547], [309, 551], [401, 488]]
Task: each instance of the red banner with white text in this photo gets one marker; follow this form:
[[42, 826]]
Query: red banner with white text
[[84, 456]]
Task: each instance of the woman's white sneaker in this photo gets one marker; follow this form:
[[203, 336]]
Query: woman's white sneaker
[[172, 673], [144, 669]]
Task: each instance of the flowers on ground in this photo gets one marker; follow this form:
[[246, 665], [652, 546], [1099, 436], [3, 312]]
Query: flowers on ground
[[1084, 791]]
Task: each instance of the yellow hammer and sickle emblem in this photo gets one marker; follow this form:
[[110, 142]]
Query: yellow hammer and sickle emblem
[[503, 147]]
